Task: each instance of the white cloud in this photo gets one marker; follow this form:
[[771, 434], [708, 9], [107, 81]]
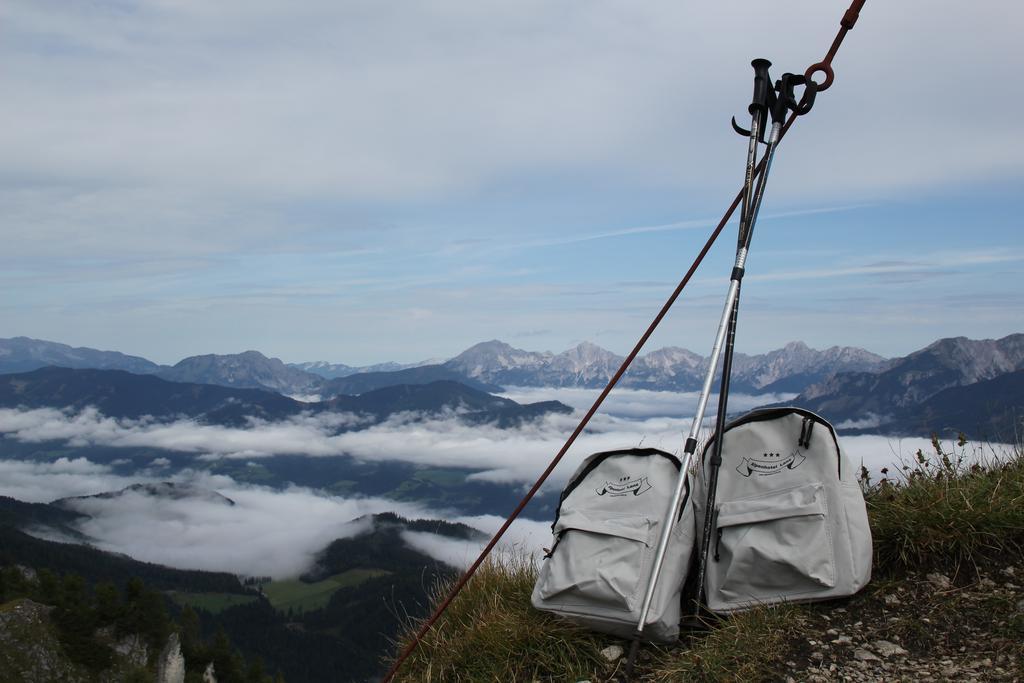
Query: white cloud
[[278, 533], [525, 538], [43, 482], [869, 421], [303, 434], [516, 454], [640, 403], [454, 552], [893, 453], [266, 532]]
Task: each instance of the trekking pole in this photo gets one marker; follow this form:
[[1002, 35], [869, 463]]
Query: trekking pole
[[758, 110], [785, 100]]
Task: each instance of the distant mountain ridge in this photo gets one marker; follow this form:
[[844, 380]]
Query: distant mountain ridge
[[162, 490], [360, 383], [21, 354], [117, 393], [120, 394], [335, 370], [668, 369], [486, 366], [955, 383], [248, 370]]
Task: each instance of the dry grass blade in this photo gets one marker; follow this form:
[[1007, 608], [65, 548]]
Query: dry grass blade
[[948, 514], [491, 633]]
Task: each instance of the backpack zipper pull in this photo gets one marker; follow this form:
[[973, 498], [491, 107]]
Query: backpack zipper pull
[[804, 441]]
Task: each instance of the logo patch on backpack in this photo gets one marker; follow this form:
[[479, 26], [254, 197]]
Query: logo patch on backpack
[[624, 486], [770, 463]]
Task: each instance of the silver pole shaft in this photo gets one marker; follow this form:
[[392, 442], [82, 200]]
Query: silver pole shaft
[[748, 178], [773, 141], [669, 521], [712, 481]]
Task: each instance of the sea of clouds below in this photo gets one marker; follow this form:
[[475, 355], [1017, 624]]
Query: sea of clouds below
[[278, 532]]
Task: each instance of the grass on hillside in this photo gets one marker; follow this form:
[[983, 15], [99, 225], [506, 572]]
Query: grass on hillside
[[491, 634], [300, 596], [942, 514], [293, 594], [947, 514]]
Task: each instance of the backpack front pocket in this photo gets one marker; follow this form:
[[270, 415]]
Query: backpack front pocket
[[597, 562], [774, 545]]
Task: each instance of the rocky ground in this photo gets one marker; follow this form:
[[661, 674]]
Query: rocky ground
[[921, 628]]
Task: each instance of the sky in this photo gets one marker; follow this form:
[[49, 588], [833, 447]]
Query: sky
[[360, 182]]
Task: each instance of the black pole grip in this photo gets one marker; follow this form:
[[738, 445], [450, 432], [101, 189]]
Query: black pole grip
[[764, 95], [787, 91], [762, 86]]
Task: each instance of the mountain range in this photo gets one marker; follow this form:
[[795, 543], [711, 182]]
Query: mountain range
[[952, 384], [955, 384], [336, 370], [668, 369], [162, 490], [21, 354], [487, 366], [120, 394]]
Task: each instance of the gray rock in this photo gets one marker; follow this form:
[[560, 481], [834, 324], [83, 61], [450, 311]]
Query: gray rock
[[134, 649], [862, 655], [29, 645], [171, 665], [612, 652], [887, 649], [27, 573]]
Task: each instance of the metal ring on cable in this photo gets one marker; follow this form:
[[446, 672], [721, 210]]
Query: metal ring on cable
[[824, 68]]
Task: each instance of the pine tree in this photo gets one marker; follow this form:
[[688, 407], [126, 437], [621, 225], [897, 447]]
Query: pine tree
[[47, 588], [108, 603]]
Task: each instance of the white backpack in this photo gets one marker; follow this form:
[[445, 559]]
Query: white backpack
[[606, 534], [789, 522]]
